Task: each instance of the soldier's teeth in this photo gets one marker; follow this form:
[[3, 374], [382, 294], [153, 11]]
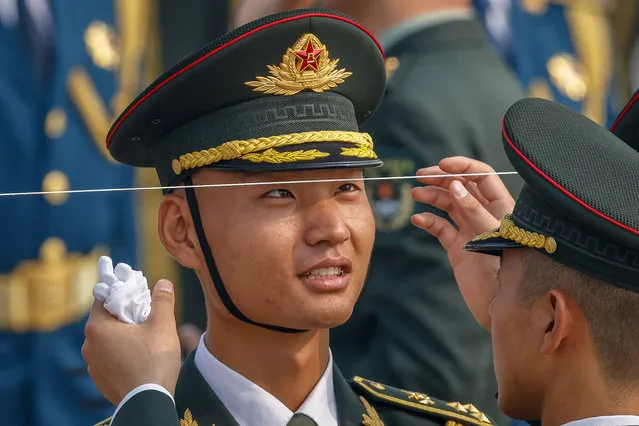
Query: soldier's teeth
[[325, 272]]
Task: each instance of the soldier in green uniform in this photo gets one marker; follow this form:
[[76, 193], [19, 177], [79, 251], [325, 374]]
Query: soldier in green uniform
[[446, 94], [560, 292], [270, 104]]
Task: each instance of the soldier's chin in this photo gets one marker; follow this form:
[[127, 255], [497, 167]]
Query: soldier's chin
[[329, 317]]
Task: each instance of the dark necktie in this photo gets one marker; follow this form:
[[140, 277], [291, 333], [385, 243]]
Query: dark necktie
[[300, 419]]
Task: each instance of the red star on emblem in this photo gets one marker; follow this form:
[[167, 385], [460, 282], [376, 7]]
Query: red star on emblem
[[309, 57]]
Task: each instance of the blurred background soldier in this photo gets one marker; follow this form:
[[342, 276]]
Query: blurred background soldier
[[576, 52], [67, 68]]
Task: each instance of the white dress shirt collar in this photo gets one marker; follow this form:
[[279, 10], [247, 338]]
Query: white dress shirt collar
[[250, 405]]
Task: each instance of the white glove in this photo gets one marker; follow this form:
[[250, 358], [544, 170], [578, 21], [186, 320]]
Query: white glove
[[123, 291]]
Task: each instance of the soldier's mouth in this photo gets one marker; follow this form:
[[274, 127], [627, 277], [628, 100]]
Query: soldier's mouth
[[333, 271]]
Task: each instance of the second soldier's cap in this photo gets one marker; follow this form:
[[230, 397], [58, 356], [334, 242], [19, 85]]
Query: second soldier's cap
[[286, 92], [580, 203]]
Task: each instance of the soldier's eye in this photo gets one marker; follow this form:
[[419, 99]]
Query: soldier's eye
[[278, 193], [349, 187]]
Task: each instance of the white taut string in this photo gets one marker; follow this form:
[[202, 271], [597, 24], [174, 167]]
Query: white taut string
[[222, 185]]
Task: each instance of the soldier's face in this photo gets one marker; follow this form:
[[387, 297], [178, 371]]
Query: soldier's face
[[516, 342], [293, 255]]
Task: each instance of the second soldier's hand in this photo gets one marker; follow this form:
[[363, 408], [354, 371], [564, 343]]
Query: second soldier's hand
[[476, 204]]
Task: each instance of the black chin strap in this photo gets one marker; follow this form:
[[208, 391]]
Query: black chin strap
[[210, 263]]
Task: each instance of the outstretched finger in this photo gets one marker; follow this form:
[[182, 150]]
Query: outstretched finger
[[489, 183], [439, 197], [435, 176], [438, 227], [472, 211], [433, 196], [476, 192]]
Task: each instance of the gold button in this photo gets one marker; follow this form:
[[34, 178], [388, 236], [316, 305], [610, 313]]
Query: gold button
[[177, 167], [55, 181], [391, 64], [550, 245], [56, 123], [53, 250]]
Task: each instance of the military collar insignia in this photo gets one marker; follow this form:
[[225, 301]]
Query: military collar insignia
[[305, 66], [456, 413], [370, 418], [188, 419], [105, 422]]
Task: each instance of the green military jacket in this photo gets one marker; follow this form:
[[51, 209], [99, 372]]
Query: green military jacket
[[359, 402]]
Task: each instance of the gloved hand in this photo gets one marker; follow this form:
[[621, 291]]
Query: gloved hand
[[123, 291]]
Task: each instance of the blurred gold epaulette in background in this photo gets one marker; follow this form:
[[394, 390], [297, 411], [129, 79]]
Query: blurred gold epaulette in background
[[156, 262], [624, 19]]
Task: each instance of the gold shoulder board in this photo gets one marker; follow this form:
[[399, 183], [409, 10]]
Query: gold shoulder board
[[456, 413]]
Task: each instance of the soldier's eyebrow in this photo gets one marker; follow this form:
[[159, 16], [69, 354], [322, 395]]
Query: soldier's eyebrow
[[247, 176]]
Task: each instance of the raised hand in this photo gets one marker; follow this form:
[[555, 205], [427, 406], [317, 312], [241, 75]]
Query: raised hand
[[475, 204]]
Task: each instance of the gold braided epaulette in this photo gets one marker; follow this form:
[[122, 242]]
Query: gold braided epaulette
[[509, 231], [105, 422], [455, 413]]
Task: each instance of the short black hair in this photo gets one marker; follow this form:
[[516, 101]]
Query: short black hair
[[612, 312]]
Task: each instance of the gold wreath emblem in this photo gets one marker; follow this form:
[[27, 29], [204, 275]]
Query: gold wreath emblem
[[305, 65]]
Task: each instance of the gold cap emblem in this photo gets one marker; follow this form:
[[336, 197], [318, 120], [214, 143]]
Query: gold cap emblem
[[305, 65]]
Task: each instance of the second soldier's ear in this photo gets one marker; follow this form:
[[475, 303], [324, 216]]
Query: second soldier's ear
[[557, 320], [177, 233]]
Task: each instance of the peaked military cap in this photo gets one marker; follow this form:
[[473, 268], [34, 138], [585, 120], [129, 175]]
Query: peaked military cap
[[286, 92], [580, 203]]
